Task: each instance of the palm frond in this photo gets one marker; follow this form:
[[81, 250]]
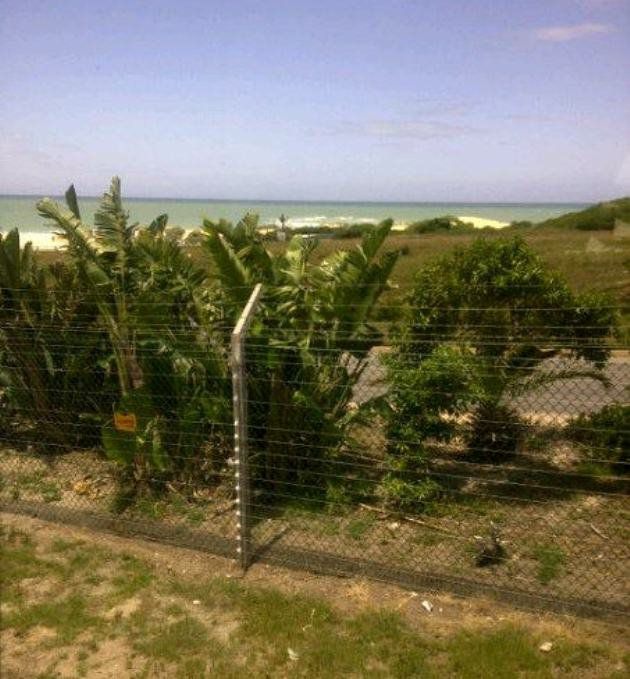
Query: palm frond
[[110, 221], [79, 239], [231, 270]]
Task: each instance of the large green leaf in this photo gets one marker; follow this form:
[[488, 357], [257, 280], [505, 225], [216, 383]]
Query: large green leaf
[[72, 202]]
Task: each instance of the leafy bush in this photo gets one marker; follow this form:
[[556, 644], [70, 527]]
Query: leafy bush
[[421, 408], [607, 434], [497, 301], [447, 223], [357, 230]]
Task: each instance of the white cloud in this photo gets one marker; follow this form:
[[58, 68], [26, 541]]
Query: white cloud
[[574, 32]]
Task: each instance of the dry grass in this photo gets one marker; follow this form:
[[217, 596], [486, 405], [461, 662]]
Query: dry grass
[[76, 604]]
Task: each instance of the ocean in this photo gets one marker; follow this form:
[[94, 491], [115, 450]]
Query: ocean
[[19, 211]]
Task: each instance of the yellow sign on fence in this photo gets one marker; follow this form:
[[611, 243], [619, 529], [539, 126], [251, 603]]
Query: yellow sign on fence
[[125, 422]]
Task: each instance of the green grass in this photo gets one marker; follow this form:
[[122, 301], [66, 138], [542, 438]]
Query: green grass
[[509, 652], [357, 528], [550, 561], [133, 576], [565, 250], [221, 627], [185, 637], [69, 617]]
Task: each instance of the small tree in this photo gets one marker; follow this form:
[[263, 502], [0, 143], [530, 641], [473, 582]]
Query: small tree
[[499, 303]]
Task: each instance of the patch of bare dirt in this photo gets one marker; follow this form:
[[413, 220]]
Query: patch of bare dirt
[[124, 610], [28, 655]]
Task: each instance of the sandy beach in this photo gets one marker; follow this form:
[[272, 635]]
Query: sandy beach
[[482, 222]]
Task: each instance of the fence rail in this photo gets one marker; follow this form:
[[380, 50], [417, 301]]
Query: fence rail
[[451, 461]]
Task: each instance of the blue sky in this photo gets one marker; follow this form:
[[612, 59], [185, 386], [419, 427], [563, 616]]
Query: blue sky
[[471, 100]]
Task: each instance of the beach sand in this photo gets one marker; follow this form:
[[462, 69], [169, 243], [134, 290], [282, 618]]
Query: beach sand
[[482, 222]]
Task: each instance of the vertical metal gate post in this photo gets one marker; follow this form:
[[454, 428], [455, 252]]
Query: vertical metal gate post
[[241, 462]]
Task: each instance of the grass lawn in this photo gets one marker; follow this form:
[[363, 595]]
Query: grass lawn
[[590, 260], [78, 604]]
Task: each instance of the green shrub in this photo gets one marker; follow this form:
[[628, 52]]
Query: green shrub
[[607, 435], [447, 223], [422, 408], [508, 313], [51, 349]]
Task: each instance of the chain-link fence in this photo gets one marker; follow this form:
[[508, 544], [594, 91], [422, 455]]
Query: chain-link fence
[[481, 458]]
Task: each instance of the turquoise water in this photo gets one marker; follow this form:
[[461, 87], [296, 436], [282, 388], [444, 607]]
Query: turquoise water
[[19, 211]]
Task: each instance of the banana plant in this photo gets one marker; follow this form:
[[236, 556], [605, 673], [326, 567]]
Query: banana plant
[[311, 344], [104, 257], [43, 360], [154, 305]]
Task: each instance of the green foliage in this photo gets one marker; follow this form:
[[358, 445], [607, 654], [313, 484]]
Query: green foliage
[[505, 653], [153, 305], [606, 434], [446, 224], [357, 230], [550, 561], [508, 314], [600, 217], [44, 372], [421, 398], [310, 345]]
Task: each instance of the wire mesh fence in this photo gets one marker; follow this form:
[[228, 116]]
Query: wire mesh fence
[[466, 454]]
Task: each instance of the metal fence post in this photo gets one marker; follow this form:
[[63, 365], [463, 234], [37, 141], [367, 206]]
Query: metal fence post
[[239, 391]]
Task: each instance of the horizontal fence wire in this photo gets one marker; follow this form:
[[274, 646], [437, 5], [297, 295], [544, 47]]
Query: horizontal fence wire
[[479, 456]]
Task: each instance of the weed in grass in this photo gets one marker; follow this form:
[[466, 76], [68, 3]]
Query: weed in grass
[[595, 469], [19, 562], [195, 516], [569, 656], [192, 667], [389, 643], [357, 528], [550, 561], [271, 615], [429, 538], [184, 638], [503, 654], [149, 507], [50, 491], [174, 610], [69, 617], [328, 527], [59, 546], [193, 513], [135, 576]]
